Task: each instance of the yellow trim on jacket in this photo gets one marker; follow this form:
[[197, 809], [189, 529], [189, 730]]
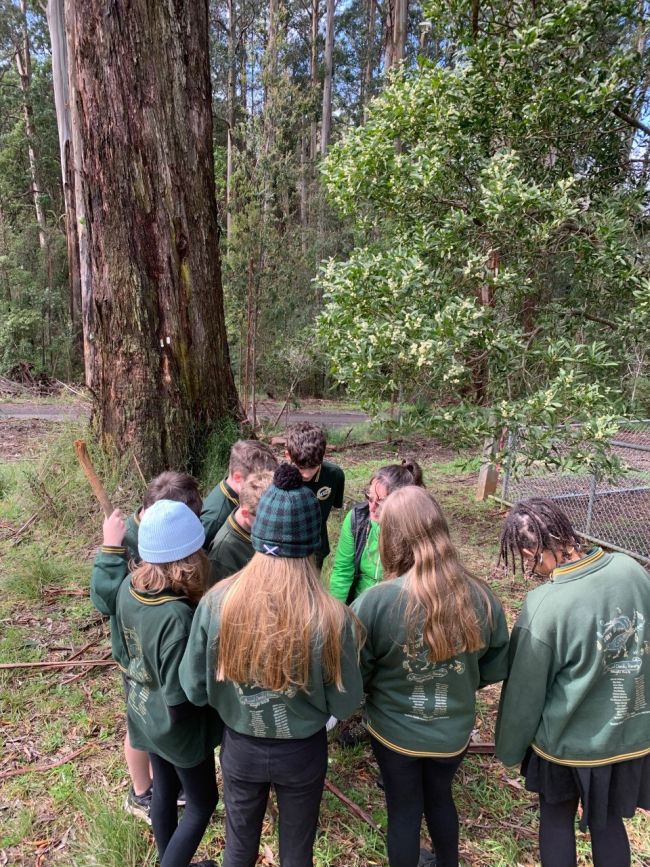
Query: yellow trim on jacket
[[420, 753], [591, 763]]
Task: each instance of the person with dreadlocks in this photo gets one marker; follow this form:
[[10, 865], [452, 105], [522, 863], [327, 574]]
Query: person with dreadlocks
[[575, 709]]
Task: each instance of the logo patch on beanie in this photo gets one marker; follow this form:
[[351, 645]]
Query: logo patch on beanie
[[323, 493], [271, 549]]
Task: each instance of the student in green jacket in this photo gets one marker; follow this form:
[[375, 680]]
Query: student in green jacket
[[434, 636], [306, 445], [276, 656], [154, 610], [356, 564], [576, 705], [109, 570], [246, 457], [232, 547]]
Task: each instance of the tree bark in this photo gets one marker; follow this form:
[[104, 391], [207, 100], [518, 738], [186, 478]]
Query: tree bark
[[156, 352], [56, 24], [326, 122]]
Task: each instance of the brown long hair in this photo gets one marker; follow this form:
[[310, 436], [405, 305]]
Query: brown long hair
[[271, 613], [188, 576], [442, 595]]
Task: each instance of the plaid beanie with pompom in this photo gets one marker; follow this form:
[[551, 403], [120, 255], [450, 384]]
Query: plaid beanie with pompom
[[288, 519]]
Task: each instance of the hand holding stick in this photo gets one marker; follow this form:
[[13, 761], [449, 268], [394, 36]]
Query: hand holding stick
[[93, 478]]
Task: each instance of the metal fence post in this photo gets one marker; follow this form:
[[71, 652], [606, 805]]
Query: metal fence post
[[590, 504]]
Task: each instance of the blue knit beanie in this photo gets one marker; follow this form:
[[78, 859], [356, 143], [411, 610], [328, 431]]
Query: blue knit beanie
[[169, 531], [288, 517]]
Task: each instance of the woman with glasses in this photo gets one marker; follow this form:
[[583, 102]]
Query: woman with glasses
[[356, 564], [575, 708]]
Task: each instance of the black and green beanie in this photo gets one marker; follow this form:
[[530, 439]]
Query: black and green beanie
[[287, 522]]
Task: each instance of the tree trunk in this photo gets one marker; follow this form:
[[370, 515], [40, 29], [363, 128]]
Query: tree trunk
[[231, 111], [366, 80], [326, 123], [56, 25], [399, 30], [157, 358], [24, 68], [313, 73]]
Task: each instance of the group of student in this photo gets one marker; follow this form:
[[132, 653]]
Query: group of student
[[226, 636]]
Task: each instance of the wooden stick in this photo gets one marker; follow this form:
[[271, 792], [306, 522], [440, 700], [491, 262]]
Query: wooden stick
[[39, 769], [58, 664], [354, 808], [484, 749], [93, 478]]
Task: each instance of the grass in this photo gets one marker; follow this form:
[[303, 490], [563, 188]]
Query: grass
[[72, 814]]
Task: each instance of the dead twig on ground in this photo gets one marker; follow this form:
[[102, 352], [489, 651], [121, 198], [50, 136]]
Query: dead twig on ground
[[57, 664], [354, 808], [40, 769]]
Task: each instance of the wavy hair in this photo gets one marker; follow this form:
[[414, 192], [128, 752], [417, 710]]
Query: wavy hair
[[274, 615], [188, 576], [447, 606]]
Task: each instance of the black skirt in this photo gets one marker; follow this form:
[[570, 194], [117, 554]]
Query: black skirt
[[616, 789]]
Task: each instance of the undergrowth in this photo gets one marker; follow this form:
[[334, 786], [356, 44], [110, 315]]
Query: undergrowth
[[73, 814]]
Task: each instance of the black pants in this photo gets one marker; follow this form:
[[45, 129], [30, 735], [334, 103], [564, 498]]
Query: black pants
[[414, 786], [557, 837], [296, 768], [177, 842]]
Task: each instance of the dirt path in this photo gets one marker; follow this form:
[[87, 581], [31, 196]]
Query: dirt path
[[321, 413]]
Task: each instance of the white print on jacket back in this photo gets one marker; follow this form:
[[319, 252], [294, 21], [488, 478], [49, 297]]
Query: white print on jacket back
[[621, 641], [428, 702]]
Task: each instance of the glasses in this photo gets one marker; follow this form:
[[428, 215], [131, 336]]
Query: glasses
[[373, 498]]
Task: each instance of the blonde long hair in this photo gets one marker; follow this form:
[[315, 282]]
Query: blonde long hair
[[188, 576], [271, 613], [442, 595]]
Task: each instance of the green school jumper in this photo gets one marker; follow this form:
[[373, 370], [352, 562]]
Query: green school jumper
[[414, 706], [230, 551], [257, 712], [109, 571], [328, 484], [219, 503], [578, 689], [155, 628]]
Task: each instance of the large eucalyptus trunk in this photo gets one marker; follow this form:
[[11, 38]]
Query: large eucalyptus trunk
[[156, 352]]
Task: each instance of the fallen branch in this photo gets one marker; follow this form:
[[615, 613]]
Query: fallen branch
[[354, 808], [16, 538], [40, 769], [81, 674], [481, 749], [58, 664], [344, 446]]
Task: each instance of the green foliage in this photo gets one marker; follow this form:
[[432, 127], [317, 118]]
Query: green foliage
[[497, 275], [217, 453]]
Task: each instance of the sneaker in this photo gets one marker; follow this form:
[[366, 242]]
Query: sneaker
[[180, 801], [208, 863], [427, 858], [139, 805]]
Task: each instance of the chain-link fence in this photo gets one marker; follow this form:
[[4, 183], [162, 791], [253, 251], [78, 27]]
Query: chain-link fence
[[615, 514]]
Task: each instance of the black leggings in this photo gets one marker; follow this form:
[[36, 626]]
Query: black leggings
[[557, 837], [414, 786], [176, 842]]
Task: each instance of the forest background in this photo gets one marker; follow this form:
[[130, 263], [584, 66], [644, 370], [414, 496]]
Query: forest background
[[436, 208]]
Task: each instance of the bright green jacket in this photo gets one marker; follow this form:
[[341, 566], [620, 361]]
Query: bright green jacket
[[342, 576]]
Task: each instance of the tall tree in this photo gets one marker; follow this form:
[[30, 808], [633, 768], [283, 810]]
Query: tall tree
[[156, 353]]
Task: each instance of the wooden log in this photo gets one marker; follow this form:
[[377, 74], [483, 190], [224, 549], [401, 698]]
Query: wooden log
[[93, 479]]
